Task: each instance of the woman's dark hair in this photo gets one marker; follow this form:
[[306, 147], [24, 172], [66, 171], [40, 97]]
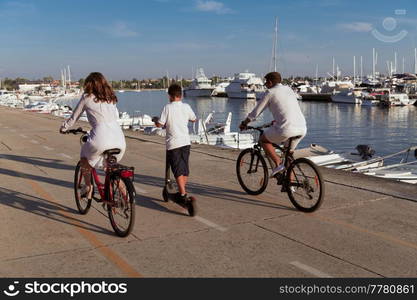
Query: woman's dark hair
[[95, 84], [175, 90], [274, 77]]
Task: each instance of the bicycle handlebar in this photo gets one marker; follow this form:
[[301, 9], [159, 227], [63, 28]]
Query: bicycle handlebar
[[75, 131], [259, 128]]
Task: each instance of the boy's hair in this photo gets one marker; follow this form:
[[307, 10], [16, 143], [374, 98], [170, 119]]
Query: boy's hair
[[175, 90], [274, 77]]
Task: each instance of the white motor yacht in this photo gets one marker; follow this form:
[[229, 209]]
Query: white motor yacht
[[200, 86], [245, 86], [396, 99], [348, 95], [220, 89]]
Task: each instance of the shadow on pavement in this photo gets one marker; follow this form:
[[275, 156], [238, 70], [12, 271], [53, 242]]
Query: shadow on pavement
[[47, 209], [39, 161], [210, 191], [152, 203], [37, 178]]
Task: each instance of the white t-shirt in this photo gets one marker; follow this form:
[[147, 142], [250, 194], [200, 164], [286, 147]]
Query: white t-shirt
[[283, 104], [175, 117]]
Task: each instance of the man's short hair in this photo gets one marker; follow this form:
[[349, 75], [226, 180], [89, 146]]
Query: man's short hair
[[274, 77], [175, 90]]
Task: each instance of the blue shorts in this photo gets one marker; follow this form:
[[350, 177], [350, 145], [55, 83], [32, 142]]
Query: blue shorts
[[178, 160]]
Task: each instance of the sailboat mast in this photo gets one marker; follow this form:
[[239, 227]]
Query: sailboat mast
[[65, 79], [275, 44], [273, 62], [415, 60], [354, 70], [69, 76], [373, 63]]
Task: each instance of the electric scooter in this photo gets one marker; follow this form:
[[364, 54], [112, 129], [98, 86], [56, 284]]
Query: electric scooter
[[169, 193]]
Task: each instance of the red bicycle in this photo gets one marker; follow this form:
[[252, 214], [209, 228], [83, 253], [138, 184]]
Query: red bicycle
[[117, 194]]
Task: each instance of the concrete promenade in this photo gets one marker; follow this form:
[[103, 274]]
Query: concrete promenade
[[367, 227]]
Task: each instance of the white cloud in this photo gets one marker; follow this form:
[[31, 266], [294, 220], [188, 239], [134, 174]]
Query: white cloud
[[118, 29], [213, 6], [356, 27]]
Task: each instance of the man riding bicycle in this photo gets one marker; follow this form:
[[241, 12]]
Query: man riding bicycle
[[289, 120]]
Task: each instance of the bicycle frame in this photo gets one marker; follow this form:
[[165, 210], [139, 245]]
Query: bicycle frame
[[286, 151], [101, 186]]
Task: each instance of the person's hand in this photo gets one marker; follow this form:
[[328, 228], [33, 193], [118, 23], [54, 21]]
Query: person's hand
[[243, 125]]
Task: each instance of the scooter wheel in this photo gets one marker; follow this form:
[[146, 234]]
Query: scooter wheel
[[165, 194], [192, 206]]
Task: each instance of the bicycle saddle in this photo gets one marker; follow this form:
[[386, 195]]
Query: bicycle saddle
[[112, 151]]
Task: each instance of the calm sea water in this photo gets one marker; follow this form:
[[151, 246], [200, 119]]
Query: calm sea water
[[338, 127]]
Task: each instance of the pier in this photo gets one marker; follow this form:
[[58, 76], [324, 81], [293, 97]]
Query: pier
[[365, 228]]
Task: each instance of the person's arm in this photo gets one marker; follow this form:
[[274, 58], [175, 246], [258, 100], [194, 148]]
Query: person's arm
[[191, 116], [257, 110], [116, 113], [160, 122], [259, 107], [79, 109]]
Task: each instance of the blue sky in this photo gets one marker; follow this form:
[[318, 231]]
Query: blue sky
[[126, 38]]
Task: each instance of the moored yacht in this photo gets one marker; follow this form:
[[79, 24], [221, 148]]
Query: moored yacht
[[348, 95], [200, 86], [396, 99], [245, 86], [220, 89]]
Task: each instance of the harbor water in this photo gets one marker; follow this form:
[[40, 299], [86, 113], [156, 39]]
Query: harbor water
[[339, 127]]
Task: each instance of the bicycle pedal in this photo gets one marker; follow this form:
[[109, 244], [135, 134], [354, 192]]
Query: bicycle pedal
[[97, 199]]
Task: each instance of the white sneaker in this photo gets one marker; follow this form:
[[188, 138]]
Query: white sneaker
[[278, 169]]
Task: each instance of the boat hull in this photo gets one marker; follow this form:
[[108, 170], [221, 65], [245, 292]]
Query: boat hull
[[316, 97], [346, 99], [241, 95], [198, 92]]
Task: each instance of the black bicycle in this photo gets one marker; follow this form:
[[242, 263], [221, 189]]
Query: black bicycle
[[301, 179]]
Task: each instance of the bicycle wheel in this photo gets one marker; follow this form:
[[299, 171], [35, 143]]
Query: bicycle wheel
[[252, 172], [122, 211], [305, 185], [83, 204]]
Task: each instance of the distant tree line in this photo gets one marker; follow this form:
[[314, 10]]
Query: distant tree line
[[150, 83], [13, 83]]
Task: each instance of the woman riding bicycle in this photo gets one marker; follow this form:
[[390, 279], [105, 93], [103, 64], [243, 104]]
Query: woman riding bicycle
[[289, 120], [99, 102]]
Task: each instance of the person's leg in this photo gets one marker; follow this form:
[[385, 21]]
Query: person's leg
[[181, 169], [181, 182], [86, 171], [270, 150]]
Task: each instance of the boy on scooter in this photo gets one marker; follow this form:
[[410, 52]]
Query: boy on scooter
[[175, 117]]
